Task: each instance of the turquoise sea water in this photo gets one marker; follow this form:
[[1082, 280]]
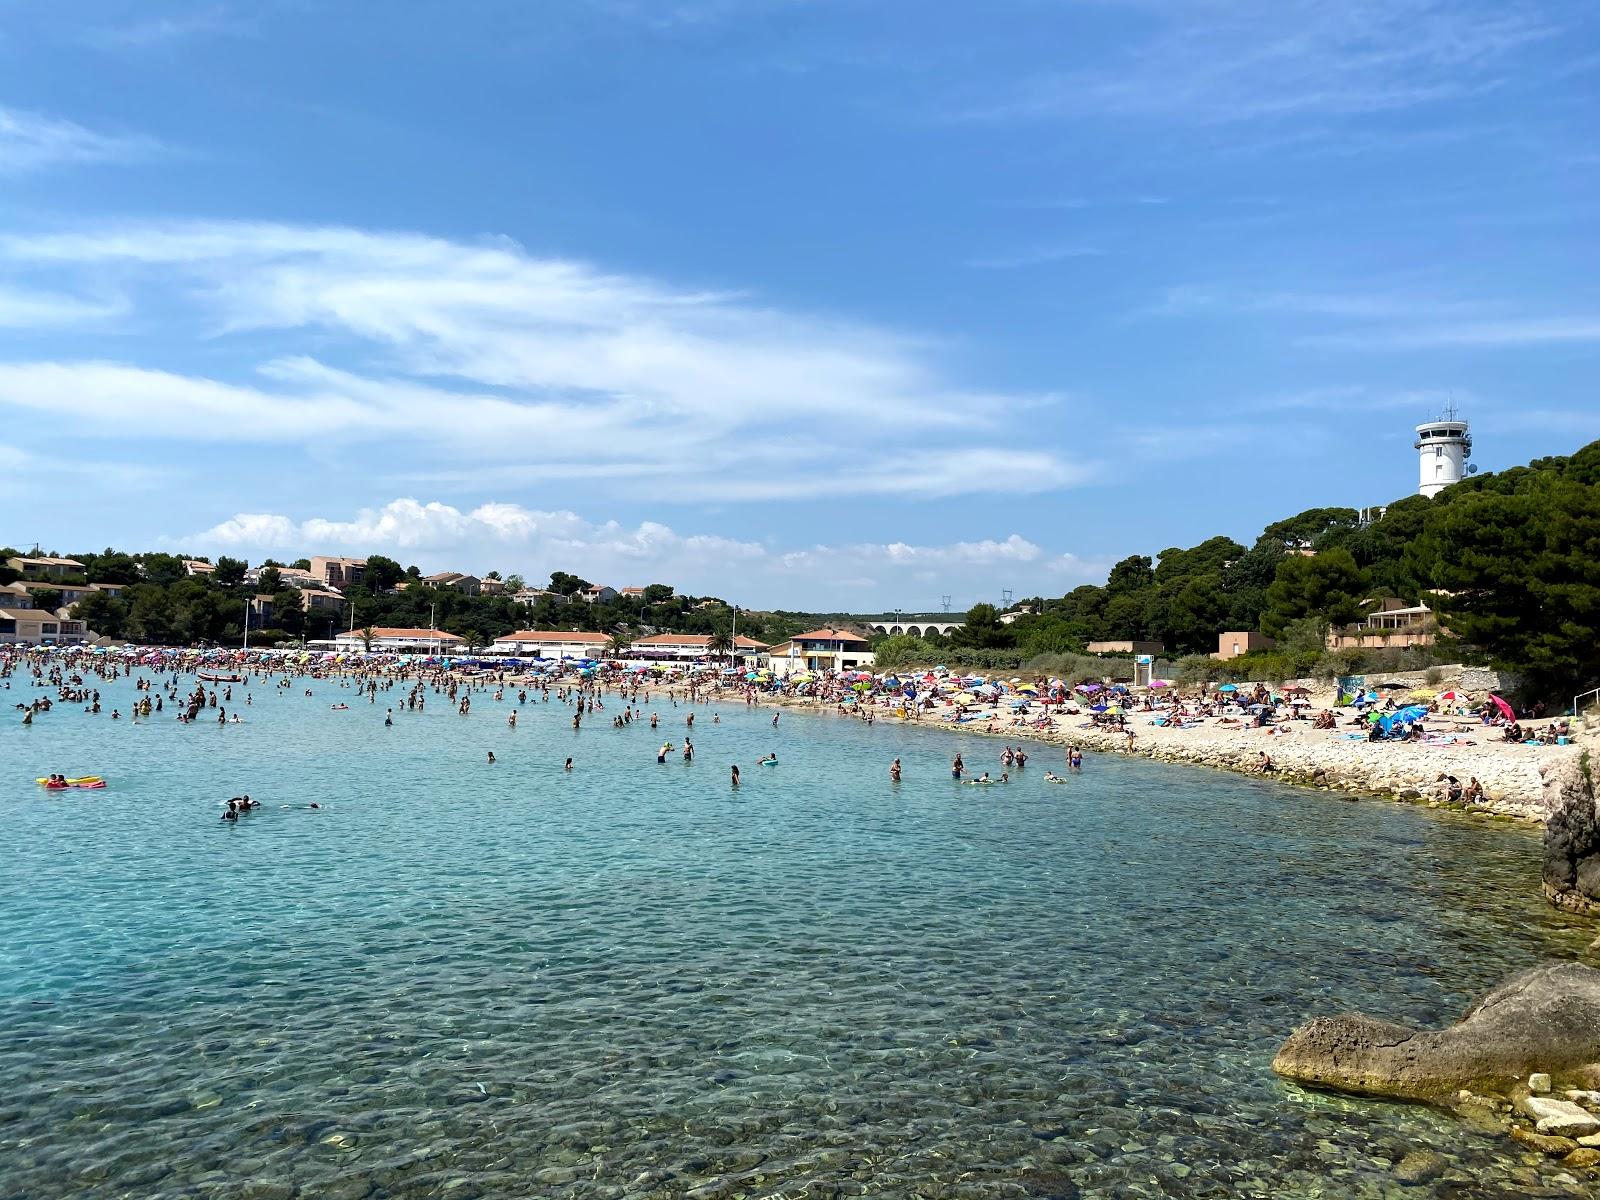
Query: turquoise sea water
[[465, 980]]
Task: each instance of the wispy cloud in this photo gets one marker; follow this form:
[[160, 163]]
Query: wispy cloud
[[1373, 305], [511, 537], [21, 309], [34, 142], [165, 29], [1034, 256], [487, 355], [1506, 333], [1255, 60]]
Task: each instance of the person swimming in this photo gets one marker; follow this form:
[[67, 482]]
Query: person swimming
[[1052, 777], [771, 759], [491, 758], [568, 767]]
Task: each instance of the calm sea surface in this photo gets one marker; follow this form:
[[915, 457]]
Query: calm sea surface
[[461, 980]]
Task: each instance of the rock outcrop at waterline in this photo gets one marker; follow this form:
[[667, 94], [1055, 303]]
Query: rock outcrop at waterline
[[1572, 838], [1544, 1020]]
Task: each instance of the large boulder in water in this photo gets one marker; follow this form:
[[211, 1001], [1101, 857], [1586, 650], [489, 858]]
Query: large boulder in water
[[1572, 837], [1545, 1019]]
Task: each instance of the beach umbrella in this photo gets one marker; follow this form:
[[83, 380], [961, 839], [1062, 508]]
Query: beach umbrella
[[1298, 700], [1505, 709], [1159, 683], [1018, 703], [1098, 707], [1450, 695], [1114, 710], [1227, 687], [1423, 694]]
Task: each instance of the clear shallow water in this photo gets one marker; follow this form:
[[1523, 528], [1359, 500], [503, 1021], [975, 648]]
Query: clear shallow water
[[463, 980]]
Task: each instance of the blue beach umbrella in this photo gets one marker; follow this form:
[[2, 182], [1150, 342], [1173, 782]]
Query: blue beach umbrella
[[1228, 687]]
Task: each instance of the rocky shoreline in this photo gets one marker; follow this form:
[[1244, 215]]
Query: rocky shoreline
[[1517, 780], [1524, 1062]]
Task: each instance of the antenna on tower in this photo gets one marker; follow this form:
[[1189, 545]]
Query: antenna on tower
[[945, 600], [1450, 407], [1005, 597]]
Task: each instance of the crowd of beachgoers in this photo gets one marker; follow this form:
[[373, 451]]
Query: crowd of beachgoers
[[1480, 743]]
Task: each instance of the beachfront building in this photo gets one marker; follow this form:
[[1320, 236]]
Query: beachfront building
[[690, 647], [337, 572], [552, 643], [1393, 625], [389, 640], [46, 568], [40, 627], [821, 650], [1126, 647], [1233, 644], [197, 566]]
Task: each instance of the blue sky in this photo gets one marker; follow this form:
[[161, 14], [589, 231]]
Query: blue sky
[[811, 303]]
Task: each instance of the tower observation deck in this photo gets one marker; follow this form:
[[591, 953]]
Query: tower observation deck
[[1443, 447]]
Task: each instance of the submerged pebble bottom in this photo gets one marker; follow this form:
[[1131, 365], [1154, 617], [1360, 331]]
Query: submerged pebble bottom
[[630, 981]]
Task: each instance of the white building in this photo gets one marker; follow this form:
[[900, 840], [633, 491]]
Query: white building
[[389, 640], [553, 643], [821, 650], [1444, 447]]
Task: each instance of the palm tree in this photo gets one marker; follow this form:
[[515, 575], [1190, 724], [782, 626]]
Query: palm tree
[[621, 642], [720, 643], [367, 634]]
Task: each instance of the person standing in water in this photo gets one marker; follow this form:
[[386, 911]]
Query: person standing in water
[[894, 771], [957, 768], [735, 770]]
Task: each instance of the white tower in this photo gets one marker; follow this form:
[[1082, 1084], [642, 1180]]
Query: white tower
[[1445, 445]]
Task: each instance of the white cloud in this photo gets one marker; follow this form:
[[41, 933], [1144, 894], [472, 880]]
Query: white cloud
[[510, 537], [33, 142], [481, 347]]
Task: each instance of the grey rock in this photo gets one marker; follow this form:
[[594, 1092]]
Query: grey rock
[[1561, 1118], [1420, 1166], [1572, 837], [1539, 1083], [1545, 1018]]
